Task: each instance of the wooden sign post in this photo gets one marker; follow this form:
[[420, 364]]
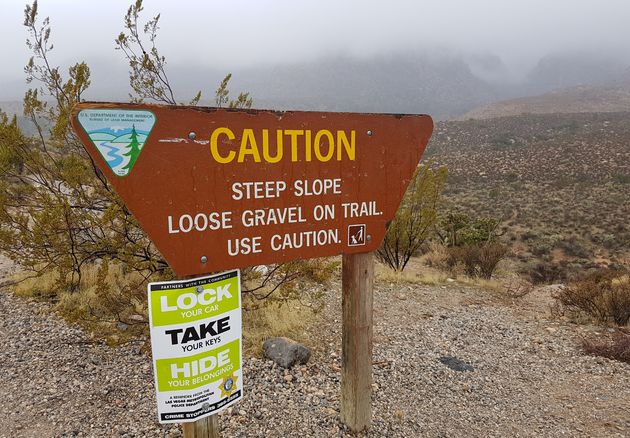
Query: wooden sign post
[[218, 189], [356, 356], [207, 427]]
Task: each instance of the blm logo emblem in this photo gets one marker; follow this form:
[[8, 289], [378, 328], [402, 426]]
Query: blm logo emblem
[[356, 235], [118, 134]]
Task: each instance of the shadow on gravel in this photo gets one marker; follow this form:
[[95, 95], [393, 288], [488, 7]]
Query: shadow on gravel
[[456, 364]]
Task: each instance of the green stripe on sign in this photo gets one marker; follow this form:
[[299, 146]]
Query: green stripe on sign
[[191, 372], [180, 306]]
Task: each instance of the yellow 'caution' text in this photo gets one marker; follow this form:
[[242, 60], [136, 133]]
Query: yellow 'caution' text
[[283, 144]]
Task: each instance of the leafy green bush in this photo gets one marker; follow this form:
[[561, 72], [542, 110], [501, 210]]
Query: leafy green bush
[[456, 229], [415, 219]]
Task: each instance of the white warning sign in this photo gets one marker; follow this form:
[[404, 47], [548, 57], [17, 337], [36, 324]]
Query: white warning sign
[[196, 339]]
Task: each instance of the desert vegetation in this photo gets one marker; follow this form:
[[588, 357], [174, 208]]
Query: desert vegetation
[[73, 239], [547, 194], [558, 188], [601, 296], [556, 182], [416, 218]]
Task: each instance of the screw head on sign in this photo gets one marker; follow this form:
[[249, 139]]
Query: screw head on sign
[[199, 289], [369, 133], [204, 259], [192, 135], [369, 237]]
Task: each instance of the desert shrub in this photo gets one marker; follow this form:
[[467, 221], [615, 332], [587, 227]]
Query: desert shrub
[[437, 256], [621, 178], [112, 304], [546, 273], [528, 235], [505, 141], [602, 294], [573, 247], [540, 249], [562, 181], [616, 347], [58, 213], [607, 240], [455, 229], [478, 260], [511, 177], [415, 219], [489, 257], [108, 301], [320, 270], [517, 289], [583, 178]]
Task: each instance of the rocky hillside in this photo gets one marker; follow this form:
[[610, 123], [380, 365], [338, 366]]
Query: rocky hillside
[[559, 182], [582, 99]]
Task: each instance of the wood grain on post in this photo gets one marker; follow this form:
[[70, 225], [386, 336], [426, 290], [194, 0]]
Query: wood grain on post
[[207, 427], [356, 371]]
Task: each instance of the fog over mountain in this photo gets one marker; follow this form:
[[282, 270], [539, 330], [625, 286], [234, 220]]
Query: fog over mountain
[[413, 82], [400, 56], [403, 83]]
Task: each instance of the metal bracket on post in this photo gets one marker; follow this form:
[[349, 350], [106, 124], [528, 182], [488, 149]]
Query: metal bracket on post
[[356, 371]]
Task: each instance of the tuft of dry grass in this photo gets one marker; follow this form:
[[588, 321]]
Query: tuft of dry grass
[[427, 276], [436, 257], [483, 283], [112, 305], [432, 278], [39, 288], [290, 319], [108, 302]]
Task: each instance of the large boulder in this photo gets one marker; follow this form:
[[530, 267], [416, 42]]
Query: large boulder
[[286, 352]]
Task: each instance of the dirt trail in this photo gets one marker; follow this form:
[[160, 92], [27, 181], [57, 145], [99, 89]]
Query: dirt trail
[[528, 378]]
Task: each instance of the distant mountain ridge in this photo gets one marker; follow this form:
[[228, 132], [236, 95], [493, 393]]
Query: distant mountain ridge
[[440, 86], [583, 99], [566, 70], [445, 86]]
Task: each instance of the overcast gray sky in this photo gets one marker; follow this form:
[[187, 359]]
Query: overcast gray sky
[[230, 34]]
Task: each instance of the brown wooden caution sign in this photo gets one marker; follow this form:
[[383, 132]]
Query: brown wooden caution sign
[[217, 189]]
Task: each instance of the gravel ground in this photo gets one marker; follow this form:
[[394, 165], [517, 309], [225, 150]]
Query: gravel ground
[[527, 379]]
